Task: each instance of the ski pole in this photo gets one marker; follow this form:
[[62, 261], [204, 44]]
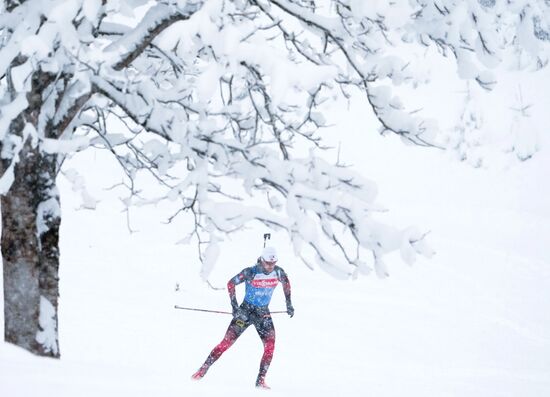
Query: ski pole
[[201, 310], [267, 236], [215, 311]]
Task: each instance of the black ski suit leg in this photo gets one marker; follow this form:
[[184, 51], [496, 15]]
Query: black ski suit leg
[[265, 328], [236, 328]]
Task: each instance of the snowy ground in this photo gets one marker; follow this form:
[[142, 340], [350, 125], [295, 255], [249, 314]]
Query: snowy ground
[[472, 321]]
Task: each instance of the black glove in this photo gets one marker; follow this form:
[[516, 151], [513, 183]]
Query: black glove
[[290, 310]]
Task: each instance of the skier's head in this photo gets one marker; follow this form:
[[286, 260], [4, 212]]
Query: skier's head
[[268, 258], [269, 254]]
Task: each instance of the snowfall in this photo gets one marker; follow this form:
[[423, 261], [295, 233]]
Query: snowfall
[[471, 321]]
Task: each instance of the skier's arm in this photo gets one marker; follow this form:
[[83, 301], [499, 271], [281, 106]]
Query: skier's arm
[[239, 278], [286, 289]]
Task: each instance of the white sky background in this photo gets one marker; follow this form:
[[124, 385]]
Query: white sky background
[[472, 321]]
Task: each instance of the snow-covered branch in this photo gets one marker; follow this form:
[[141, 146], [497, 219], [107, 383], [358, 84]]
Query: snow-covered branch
[[157, 19]]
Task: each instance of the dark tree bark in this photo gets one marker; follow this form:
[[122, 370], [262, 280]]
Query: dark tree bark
[[30, 237]]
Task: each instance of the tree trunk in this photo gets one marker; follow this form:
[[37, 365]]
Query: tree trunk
[[30, 237], [30, 252]]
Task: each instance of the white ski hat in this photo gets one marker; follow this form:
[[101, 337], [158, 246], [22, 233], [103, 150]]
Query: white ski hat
[[269, 254]]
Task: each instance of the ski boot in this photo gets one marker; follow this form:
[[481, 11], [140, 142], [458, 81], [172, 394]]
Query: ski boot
[[200, 373], [260, 383]]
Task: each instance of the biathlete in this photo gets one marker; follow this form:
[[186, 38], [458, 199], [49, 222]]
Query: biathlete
[[260, 282]]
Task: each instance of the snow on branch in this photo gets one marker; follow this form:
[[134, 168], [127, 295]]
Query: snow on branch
[[156, 20]]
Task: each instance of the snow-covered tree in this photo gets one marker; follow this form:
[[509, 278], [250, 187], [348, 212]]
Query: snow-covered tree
[[524, 134], [466, 134], [221, 101]]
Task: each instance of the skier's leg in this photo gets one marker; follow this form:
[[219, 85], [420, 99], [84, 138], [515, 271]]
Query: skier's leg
[[235, 329], [266, 330]]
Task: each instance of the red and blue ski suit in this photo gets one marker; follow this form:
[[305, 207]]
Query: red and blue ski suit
[[254, 310]]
